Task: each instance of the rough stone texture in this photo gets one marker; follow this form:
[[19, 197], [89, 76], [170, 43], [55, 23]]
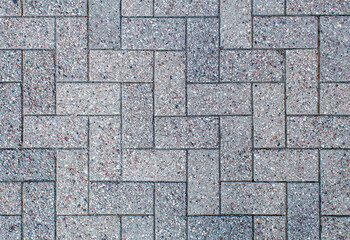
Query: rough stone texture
[[334, 228], [137, 227], [318, 7], [268, 7], [270, 227], [10, 227], [10, 198], [54, 8], [137, 7], [10, 8], [10, 66], [184, 8], [335, 98]]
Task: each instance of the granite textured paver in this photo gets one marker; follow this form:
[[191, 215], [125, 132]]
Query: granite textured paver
[[10, 66], [270, 227]]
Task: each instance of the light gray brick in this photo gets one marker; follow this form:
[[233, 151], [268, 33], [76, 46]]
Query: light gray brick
[[137, 7], [318, 7], [10, 66], [335, 98], [270, 227], [54, 8], [335, 228], [268, 7], [184, 8], [137, 227], [10, 8], [253, 198], [10, 196], [10, 227], [154, 165], [219, 99]]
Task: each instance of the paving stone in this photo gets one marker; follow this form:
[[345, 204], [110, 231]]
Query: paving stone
[[318, 7], [55, 131], [10, 115], [88, 98], [269, 115], [186, 132], [54, 8], [302, 82], [10, 8], [235, 24], [10, 227], [137, 7], [121, 66], [335, 228], [285, 32], [121, 198], [153, 33], [38, 82], [203, 50], [318, 131], [203, 182], [10, 198], [219, 99], [220, 227], [268, 7], [88, 227], [252, 198], [105, 148], [335, 98], [170, 83], [72, 182], [270, 227], [335, 177], [154, 165], [39, 210], [137, 227], [184, 8], [170, 211], [137, 115], [236, 145], [286, 165], [71, 53], [104, 24], [251, 66], [10, 66]]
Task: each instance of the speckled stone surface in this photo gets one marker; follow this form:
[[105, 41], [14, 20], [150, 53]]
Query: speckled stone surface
[[183, 8], [269, 227], [10, 8], [10, 227], [10, 66], [138, 227], [10, 195], [54, 8]]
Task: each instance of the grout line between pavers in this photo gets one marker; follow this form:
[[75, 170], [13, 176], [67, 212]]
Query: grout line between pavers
[[286, 202], [186, 196], [153, 100], [252, 128], [22, 100], [285, 7], [88, 166], [284, 77], [318, 66], [186, 68], [154, 211], [55, 64], [253, 227], [319, 196], [55, 195], [120, 25], [22, 212], [251, 25]]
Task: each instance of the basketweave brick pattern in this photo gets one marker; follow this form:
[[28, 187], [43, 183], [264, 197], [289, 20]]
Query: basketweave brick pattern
[[174, 119]]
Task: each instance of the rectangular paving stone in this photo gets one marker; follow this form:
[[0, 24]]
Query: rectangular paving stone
[[54, 8], [219, 99], [104, 24], [183, 8], [137, 115], [105, 148], [335, 98], [138, 227], [10, 8], [203, 182], [286, 165], [88, 227], [203, 50], [10, 196], [268, 7], [10, 66], [121, 198], [170, 211], [154, 165], [334, 228], [220, 227], [72, 182], [88, 98], [153, 33], [269, 119], [302, 82], [253, 198], [235, 18], [251, 66], [335, 188], [55, 131], [318, 7], [39, 210], [269, 227], [170, 83], [186, 132], [10, 227], [318, 131], [285, 32], [71, 49], [137, 7], [38, 82], [10, 115], [235, 146]]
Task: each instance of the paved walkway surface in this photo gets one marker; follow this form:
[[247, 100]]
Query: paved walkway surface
[[174, 119]]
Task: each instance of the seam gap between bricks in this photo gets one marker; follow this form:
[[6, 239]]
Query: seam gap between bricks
[[186, 68], [284, 76], [285, 7], [22, 212], [318, 66], [55, 64], [252, 129], [171, 17], [153, 8], [186, 196], [120, 24], [88, 165], [22, 99], [153, 100], [251, 25], [55, 194], [22, 10], [319, 195], [219, 162], [219, 118], [154, 211], [286, 209], [253, 227]]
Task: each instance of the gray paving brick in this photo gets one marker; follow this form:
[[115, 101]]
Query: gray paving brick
[[219, 99], [270, 227], [88, 227], [185, 8], [335, 98], [203, 182], [286, 165], [302, 82], [269, 119], [251, 66], [318, 131], [137, 227], [154, 165], [235, 23], [10, 195], [104, 24], [137, 115], [137, 7], [10, 227], [170, 83], [10, 66], [105, 148], [121, 198], [253, 198], [54, 8], [153, 33], [10, 8], [236, 145], [335, 177], [220, 227], [170, 210], [318, 7], [38, 210], [334, 228], [268, 7], [71, 53], [203, 50], [10, 115], [186, 132], [55, 131], [72, 182], [38, 82], [285, 32]]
